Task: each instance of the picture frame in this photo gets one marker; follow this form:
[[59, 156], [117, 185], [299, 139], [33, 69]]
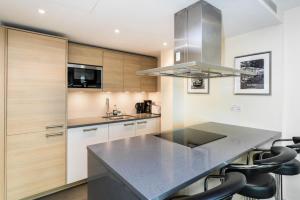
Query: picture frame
[[259, 84], [198, 86]]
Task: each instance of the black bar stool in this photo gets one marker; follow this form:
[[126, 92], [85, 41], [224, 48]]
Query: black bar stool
[[233, 183], [290, 168], [260, 183]]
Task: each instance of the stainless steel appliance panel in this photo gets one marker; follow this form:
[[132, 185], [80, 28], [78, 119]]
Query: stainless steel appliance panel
[[180, 37]]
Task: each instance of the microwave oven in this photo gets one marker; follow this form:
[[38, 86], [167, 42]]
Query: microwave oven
[[84, 76]]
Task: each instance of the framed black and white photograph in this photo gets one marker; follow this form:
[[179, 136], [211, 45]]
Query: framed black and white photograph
[[198, 86], [260, 84]]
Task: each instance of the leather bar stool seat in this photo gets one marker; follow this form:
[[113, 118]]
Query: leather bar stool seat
[[262, 186], [290, 168]]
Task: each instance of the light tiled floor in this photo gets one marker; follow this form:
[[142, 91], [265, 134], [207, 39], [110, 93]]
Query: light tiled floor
[[76, 193]]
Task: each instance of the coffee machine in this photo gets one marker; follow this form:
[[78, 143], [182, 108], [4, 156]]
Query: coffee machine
[[139, 107], [147, 106]]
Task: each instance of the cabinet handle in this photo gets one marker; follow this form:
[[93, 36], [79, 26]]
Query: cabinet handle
[[54, 134], [130, 124], [144, 122], [55, 126], [90, 129]]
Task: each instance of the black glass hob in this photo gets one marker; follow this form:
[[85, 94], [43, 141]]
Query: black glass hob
[[190, 137]]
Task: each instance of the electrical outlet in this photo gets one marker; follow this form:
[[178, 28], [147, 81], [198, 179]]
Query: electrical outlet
[[235, 108]]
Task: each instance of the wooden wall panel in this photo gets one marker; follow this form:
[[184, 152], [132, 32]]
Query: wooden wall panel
[[2, 109]]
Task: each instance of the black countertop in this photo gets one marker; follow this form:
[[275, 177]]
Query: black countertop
[[91, 121]]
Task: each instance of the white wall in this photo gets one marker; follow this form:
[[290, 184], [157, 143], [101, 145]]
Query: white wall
[[256, 111], [291, 106]]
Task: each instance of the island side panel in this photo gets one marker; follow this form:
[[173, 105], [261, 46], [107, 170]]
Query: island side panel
[[102, 184]]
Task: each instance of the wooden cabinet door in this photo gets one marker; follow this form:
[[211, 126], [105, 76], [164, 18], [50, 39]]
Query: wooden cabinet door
[[36, 82], [82, 54], [35, 163], [78, 140], [2, 93], [148, 83], [121, 130], [132, 63], [113, 71]]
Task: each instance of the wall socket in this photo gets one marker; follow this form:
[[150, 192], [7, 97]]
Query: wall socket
[[235, 108]]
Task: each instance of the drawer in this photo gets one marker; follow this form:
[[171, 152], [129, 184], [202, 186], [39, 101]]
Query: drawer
[[147, 126], [78, 140], [121, 130]]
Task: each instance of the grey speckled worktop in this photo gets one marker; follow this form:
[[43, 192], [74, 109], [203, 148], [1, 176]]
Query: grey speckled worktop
[[155, 168], [80, 122]]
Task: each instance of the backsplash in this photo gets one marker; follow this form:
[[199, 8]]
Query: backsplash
[[83, 104]]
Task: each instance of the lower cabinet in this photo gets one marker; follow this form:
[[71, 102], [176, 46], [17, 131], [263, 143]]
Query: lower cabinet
[[121, 130], [147, 126], [35, 163], [78, 140]]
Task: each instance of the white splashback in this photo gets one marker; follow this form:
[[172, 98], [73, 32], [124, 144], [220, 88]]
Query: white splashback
[[83, 104]]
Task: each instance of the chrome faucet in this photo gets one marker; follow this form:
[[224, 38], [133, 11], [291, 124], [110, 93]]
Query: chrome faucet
[[107, 106]]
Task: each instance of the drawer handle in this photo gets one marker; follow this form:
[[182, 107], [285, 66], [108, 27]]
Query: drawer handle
[[55, 126], [54, 134], [130, 124], [90, 129], [144, 122]]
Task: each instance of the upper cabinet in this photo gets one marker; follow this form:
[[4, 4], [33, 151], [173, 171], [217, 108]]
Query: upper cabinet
[[113, 80], [132, 63], [82, 54], [36, 82], [148, 83], [119, 68]]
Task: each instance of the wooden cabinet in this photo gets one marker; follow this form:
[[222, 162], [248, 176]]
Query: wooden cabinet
[[113, 71], [78, 140], [121, 130], [132, 63], [2, 116], [36, 113], [148, 83], [119, 69], [83, 54], [36, 82], [147, 126], [35, 163]]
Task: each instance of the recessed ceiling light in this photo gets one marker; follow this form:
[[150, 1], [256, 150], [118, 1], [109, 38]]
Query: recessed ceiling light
[[41, 11], [117, 31], [165, 44]]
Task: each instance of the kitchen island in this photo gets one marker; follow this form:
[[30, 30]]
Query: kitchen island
[[148, 167]]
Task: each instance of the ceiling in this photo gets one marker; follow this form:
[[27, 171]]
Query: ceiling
[[144, 24]]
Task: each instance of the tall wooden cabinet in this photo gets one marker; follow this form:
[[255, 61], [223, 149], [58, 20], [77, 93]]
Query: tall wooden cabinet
[[2, 109], [36, 113]]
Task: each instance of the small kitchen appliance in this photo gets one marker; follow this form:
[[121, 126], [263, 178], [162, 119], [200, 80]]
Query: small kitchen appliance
[[139, 107], [84, 76], [147, 106]]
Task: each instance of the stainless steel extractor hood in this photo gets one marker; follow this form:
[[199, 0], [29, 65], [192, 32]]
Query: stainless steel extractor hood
[[198, 45]]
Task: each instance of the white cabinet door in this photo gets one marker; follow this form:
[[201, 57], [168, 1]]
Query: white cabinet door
[[121, 130], [147, 126], [78, 140]]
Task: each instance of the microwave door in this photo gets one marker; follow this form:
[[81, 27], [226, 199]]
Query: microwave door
[[84, 77]]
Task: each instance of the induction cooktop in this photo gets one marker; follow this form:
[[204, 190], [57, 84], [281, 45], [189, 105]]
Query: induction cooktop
[[190, 137]]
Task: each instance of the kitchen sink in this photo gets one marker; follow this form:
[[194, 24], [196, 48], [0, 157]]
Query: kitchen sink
[[119, 117]]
